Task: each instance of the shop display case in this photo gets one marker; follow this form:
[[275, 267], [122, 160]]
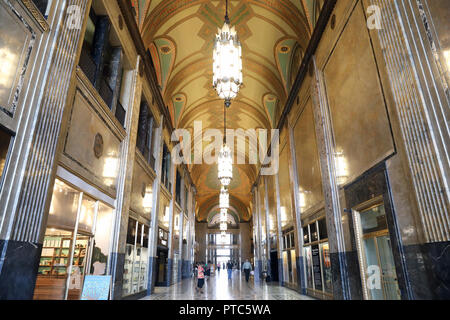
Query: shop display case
[[55, 256]]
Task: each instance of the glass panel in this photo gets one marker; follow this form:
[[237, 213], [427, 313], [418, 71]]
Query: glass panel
[[323, 229], [128, 269], [308, 266], [389, 275], [64, 206], [314, 233], [5, 140], [373, 220], [376, 293], [285, 266], [306, 234], [102, 240], [294, 267], [326, 267], [87, 215], [78, 267], [52, 272]]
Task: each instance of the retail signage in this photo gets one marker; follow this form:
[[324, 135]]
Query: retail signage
[[96, 288], [316, 267]]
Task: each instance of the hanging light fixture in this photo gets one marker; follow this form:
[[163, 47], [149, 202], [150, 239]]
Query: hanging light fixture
[[224, 199], [225, 160], [227, 62], [223, 226], [223, 215]]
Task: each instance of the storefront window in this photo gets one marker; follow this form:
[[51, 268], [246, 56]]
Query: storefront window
[[136, 258], [308, 266], [326, 267], [102, 241], [76, 242], [317, 257]]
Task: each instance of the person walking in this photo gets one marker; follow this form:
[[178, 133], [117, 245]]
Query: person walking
[[247, 269], [229, 269], [200, 278], [218, 267]]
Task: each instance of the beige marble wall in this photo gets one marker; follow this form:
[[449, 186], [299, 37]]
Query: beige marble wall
[[142, 189], [308, 167]]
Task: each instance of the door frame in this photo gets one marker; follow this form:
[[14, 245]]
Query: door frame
[[359, 237]]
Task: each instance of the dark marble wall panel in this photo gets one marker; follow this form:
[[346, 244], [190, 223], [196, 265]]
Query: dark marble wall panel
[[119, 260], [19, 263]]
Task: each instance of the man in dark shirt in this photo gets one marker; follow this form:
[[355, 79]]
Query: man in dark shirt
[[229, 269]]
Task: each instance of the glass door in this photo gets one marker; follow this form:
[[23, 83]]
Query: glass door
[[378, 271]]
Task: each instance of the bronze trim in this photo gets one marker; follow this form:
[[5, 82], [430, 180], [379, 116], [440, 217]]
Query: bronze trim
[[36, 14]]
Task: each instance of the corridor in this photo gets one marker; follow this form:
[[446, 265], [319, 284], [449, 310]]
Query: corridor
[[218, 287]]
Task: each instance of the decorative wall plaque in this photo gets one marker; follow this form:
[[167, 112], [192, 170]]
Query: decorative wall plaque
[[144, 187], [98, 145]]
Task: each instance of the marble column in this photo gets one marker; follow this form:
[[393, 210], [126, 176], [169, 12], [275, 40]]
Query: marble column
[[125, 179], [324, 136], [153, 237], [410, 48], [24, 211], [279, 231], [297, 216]]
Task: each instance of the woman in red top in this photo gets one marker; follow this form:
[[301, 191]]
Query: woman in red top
[[200, 277]]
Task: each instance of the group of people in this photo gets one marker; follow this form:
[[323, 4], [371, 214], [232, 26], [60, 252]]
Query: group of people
[[202, 272]]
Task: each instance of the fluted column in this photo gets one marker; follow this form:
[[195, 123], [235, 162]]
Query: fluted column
[[25, 206]]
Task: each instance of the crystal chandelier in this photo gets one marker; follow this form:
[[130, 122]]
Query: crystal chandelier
[[227, 62], [223, 215], [225, 165], [224, 199]]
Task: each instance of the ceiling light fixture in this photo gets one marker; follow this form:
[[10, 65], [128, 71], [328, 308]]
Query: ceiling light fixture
[[227, 62], [224, 199]]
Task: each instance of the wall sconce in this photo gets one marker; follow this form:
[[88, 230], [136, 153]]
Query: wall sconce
[[341, 168], [283, 215], [110, 169], [148, 199], [166, 217]]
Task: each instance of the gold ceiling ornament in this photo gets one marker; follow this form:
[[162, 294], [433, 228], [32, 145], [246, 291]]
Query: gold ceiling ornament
[[227, 62]]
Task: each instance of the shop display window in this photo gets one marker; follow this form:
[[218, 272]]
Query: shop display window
[[317, 259], [77, 239], [135, 273]]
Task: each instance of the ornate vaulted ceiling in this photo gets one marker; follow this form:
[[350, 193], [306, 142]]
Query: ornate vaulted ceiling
[[180, 36]]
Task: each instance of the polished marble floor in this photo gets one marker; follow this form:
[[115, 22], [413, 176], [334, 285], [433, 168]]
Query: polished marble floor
[[218, 287]]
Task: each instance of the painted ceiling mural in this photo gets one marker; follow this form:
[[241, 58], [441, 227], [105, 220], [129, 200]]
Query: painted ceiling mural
[[180, 37]]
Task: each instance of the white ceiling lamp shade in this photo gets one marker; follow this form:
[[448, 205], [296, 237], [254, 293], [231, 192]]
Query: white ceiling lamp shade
[[227, 62], [225, 165], [224, 199]]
